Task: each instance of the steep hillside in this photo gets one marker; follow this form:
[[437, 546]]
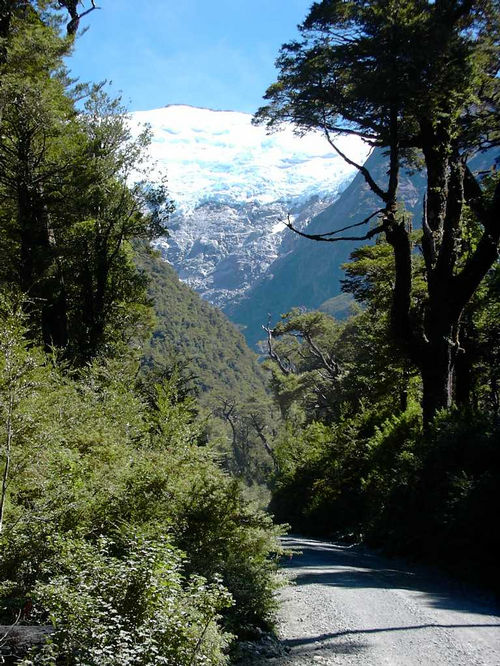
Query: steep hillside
[[309, 274], [197, 335]]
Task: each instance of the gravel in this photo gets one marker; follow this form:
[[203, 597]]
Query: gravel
[[348, 605]]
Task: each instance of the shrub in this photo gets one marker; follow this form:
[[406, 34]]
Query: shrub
[[96, 465], [115, 604]]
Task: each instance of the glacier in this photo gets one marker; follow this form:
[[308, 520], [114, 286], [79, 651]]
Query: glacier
[[233, 185]]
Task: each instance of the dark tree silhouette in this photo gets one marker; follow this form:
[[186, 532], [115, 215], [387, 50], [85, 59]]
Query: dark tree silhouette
[[420, 80]]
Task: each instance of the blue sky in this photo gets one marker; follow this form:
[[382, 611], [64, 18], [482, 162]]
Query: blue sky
[[217, 53]]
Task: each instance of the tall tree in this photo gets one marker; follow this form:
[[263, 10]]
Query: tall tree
[[420, 80], [106, 212], [37, 123], [69, 210]]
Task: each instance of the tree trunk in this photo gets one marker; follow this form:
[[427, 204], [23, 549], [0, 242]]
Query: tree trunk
[[437, 368], [40, 275]]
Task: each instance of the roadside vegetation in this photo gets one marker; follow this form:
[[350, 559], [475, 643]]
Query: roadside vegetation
[[136, 425], [392, 418], [353, 459], [119, 528]]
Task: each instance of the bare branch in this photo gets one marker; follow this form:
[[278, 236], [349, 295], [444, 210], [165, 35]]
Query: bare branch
[[370, 139], [350, 226], [428, 240], [362, 169], [227, 410], [71, 6], [285, 369], [330, 364], [4, 638], [322, 237], [259, 429]]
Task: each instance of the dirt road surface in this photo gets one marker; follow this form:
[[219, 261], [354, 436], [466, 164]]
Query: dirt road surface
[[350, 606]]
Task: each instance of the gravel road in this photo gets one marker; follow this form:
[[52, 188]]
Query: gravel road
[[351, 606]]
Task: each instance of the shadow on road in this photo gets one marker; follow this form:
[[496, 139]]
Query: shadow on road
[[293, 642], [346, 648], [328, 564]]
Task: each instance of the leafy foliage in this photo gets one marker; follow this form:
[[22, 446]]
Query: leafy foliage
[[105, 488], [128, 608], [117, 524], [361, 467], [194, 340], [68, 211]]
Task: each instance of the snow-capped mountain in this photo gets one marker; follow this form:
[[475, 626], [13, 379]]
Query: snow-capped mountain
[[233, 185]]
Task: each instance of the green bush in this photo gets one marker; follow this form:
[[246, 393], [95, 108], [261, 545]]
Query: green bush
[[228, 537], [114, 604], [94, 463], [435, 496], [393, 467], [319, 486]]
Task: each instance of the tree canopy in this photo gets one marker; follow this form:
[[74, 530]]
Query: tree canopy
[[69, 209], [419, 79]]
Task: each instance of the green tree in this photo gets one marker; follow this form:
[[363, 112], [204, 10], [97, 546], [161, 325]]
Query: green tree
[[308, 366], [37, 122], [68, 207], [44, 10], [101, 214], [419, 80]]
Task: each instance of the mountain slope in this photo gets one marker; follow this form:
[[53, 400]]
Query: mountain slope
[[311, 271], [233, 186], [197, 335]]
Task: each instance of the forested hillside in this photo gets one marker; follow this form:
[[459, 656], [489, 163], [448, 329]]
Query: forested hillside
[[190, 331], [195, 341], [122, 540]]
